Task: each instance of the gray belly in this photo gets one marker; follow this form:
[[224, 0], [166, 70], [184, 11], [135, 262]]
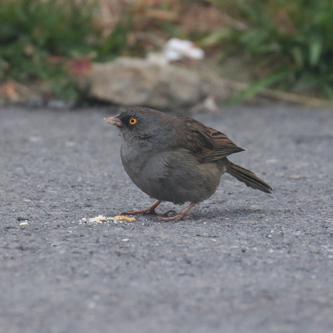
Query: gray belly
[[173, 176]]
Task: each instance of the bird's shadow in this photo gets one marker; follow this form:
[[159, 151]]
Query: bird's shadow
[[233, 214]]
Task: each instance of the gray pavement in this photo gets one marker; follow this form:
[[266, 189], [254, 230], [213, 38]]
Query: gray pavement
[[247, 262]]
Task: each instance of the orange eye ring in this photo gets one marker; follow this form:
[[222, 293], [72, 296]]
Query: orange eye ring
[[133, 121]]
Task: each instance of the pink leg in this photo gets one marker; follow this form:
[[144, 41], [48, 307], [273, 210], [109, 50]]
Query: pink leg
[[149, 211], [179, 216]]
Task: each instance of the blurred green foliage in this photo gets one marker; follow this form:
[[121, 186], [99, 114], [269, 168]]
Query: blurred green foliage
[[289, 42], [39, 38]]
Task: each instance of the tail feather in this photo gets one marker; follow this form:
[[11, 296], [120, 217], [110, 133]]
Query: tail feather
[[248, 177]]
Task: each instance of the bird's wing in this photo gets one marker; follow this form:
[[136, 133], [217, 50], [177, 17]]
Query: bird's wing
[[223, 146], [207, 144]]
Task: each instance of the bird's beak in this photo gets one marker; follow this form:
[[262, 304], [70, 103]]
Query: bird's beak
[[114, 121]]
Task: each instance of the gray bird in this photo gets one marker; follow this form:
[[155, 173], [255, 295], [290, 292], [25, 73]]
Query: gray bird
[[176, 159]]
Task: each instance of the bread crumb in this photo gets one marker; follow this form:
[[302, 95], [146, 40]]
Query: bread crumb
[[98, 219], [124, 218]]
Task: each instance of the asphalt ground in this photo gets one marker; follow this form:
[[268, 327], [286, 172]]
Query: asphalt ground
[[246, 261]]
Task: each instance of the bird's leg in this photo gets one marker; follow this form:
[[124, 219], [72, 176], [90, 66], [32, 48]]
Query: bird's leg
[[168, 212], [149, 211], [179, 216]]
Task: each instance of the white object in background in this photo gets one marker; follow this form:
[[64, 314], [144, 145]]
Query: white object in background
[[177, 49]]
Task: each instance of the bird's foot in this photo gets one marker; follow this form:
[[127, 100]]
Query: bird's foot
[[151, 211], [142, 212], [180, 216], [175, 218], [168, 212], [148, 211]]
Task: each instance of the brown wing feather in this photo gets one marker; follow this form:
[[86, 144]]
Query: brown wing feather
[[207, 144], [223, 146]]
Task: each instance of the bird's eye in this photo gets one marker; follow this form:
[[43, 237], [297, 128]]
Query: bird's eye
[[133, 121]]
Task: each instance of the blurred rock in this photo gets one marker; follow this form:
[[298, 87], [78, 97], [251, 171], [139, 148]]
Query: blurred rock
[[13, 92], [207, 105], [32, 94], [133, 81]]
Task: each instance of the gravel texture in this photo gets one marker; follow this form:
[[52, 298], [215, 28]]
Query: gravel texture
[[247, 262]]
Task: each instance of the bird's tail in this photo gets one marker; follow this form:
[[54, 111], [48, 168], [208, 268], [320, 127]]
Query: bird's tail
[[248, 177]]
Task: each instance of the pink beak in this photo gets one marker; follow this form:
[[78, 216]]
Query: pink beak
[[114, 121]]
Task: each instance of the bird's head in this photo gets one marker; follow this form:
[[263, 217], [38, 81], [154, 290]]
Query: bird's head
[[143, 127]]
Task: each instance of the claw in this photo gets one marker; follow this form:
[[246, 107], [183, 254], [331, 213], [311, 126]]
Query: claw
[[181, 216]]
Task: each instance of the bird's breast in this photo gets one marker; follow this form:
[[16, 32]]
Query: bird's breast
[[174, 176]]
